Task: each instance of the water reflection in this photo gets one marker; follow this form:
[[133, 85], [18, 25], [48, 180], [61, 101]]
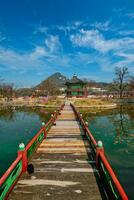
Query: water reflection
[[123, 122], [9, 113], [121, 118], [115, 128], [18, 125]]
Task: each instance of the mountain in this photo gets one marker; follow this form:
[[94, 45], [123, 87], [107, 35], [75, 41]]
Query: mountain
[[56, 79]]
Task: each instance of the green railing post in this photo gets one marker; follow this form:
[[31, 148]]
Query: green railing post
[[99, 148], [23, 152]]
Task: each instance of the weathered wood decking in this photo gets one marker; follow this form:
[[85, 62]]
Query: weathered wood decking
[[64, 167]]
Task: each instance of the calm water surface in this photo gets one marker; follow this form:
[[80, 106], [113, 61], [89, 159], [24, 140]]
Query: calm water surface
[[16, 126], [116, 129]]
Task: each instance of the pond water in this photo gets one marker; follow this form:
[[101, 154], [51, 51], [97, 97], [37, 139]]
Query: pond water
[[18, 125], [115, 128]]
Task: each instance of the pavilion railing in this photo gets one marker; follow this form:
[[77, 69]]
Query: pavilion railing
[[111, 184], [20, 164]]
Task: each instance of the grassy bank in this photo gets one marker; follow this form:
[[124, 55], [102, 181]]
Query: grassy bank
[[51, 102], [92, 103]]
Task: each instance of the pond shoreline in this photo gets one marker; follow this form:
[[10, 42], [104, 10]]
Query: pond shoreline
[[99, 106], [28, 106]]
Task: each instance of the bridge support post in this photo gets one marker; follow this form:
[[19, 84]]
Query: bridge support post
[[99, 149], [23, 152]]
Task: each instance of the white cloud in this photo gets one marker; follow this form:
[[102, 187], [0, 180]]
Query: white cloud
[[94, 39], [41, 29], [104, 26], [108, 63], [91, 39], [71, 26], [126, 32], [38, 53], [68, 27], [13, 60], [45, 57], [91, 77], [127, 60], [53, 43]]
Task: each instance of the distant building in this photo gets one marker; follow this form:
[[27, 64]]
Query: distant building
[[76, 87], [96, 90]]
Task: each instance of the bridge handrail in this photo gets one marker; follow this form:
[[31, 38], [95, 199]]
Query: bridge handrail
[[114, 188], [19, 165], [110, 181], [13, 165], [85, 127]]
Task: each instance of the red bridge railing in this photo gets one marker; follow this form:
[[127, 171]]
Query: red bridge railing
[[11, 176], [110, 182]]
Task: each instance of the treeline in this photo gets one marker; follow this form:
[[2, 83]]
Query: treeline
[[6, 90], [122, 84]]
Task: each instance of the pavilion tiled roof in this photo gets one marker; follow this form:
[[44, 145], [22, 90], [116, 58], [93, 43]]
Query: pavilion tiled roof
[[74, 80]]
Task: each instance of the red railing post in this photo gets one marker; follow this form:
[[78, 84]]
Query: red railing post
[[45, 132], [85, 127], [99, 148], [52, 119], [55, 116], [23, 152], [80, 117], [59, 112]]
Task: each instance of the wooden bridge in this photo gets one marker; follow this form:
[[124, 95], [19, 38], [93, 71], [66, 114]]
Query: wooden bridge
[[68, 164], [64, 167]]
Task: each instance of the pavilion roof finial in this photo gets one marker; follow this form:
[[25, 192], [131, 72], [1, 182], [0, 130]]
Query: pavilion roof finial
[[74, 75]]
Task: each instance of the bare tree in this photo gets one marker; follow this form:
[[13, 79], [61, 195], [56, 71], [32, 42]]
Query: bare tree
[[121, 80], [49, 88], [6, 89], [131, 83]]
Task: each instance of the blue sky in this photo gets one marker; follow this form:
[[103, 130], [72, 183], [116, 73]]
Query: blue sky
[[86, 37]]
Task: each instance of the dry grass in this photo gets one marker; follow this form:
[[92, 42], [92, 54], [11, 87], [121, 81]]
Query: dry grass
[[55, 101]]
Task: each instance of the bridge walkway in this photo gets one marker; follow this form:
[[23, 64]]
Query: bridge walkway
[[64, 168]]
